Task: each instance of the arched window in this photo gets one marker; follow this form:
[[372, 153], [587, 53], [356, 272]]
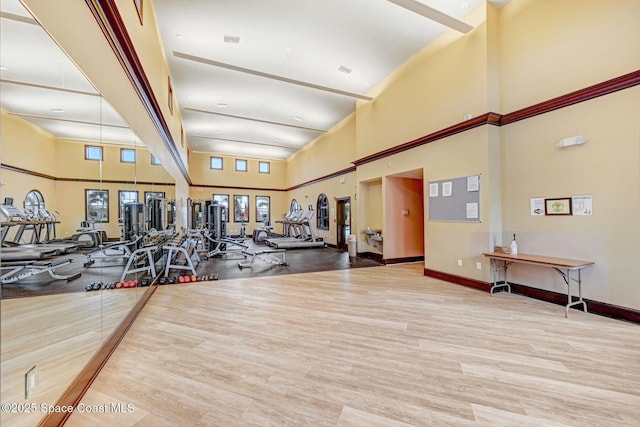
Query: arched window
[[34, 203], [322, 212]]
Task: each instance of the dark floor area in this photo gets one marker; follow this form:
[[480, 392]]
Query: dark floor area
[[226, 267]]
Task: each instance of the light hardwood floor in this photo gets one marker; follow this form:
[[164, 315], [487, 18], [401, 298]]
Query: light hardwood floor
[[380, 346], [58, 334]]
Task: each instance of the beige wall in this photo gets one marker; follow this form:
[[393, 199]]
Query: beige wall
[[433, 90], [334, 188], [70, 163], [207, 181], [29, 148], [72, 209], [371, 214], [146, 38], [606, 167], [506, 63], [278, 205], [26, 146], [461, 155], [105, 72], [331, 152], [17, 185], [578, 48], [202, 174], [575, 48]]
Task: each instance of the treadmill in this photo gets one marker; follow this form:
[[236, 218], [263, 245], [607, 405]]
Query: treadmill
[[11, 216], [307, 240]]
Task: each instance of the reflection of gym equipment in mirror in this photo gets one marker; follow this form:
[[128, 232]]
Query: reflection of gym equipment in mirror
[[142, 229], [59, 333], [160, 214], [29, 247]]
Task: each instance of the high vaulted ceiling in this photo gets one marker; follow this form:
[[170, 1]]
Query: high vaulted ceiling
[[253, 78], [264, 78]]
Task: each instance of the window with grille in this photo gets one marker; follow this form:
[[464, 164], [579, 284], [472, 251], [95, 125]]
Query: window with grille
[[322, 212]]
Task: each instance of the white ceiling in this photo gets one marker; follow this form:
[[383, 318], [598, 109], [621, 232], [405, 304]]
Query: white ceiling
[[235, 112], [43, 86], [250, 98]]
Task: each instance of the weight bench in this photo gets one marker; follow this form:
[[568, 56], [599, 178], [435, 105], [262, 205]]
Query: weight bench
[[110, 250], [16, 271], [188, 250], [274, 256], [141, 260]]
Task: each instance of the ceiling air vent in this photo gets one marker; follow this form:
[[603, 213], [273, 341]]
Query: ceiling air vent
[[344, 69], [232, 39]]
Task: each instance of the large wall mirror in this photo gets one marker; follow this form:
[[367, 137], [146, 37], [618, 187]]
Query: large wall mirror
[[70, 167]]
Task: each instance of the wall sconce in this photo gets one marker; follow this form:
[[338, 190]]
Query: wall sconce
[[572, 140]]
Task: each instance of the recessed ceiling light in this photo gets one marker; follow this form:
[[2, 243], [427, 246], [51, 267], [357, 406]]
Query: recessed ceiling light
[[345, 70], [179, 36], [464, 6], [297, 118], [57, 110], [222, 105], [217, 131], [278, 139], [232, 39]]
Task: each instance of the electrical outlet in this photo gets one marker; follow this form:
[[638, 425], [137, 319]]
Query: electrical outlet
[[30, 381], [479, 265], [459, 263]]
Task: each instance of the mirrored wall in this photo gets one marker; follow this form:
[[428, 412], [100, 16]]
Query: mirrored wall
[[70, 168]]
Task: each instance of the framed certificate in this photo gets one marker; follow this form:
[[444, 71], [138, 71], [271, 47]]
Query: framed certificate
[[561, 206]]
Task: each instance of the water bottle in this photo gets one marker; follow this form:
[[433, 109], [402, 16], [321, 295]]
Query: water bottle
[[514, 246]]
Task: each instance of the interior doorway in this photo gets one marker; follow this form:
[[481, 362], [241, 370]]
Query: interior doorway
[[343, 222], [404, 234]]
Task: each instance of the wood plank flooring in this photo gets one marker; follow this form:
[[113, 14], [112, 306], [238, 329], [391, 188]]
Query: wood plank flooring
[[382, 346], [58, 334]]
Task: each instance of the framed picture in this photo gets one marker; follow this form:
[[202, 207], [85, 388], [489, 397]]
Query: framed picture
[[561, 206], [97, 205], [138, 4]]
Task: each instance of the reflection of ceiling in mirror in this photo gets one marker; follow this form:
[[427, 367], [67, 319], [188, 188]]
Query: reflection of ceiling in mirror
[[40, 84]]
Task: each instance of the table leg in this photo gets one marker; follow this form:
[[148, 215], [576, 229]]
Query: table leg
[[496, 270], [570, 303], [566, 309]]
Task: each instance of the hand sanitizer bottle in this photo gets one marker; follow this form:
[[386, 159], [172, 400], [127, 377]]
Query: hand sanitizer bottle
[[514, 246]]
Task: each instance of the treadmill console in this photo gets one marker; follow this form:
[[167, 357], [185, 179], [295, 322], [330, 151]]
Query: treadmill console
[[11, 213]]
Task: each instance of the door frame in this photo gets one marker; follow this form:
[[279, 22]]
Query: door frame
[[341, 239]]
